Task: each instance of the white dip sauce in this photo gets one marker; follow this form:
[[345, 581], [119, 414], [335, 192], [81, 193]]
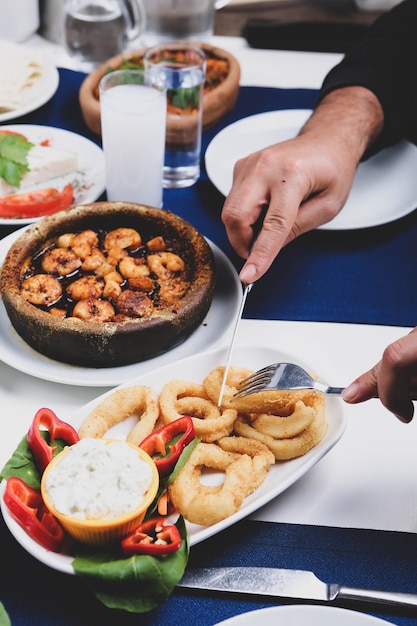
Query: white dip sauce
[[98, 480]]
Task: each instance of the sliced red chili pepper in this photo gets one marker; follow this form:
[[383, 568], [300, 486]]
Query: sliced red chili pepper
[[165, 444], [154, 537], [28, 509], [43, 450]]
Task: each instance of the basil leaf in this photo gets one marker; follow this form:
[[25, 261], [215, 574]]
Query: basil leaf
[[22, 463], [185, 97], [4, 618], [13, 158], [137, 583]]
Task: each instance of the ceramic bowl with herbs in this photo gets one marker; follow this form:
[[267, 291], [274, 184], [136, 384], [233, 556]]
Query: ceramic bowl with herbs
[[220, 90]]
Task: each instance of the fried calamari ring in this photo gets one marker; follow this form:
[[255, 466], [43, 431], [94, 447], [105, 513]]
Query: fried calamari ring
[[244, 445], [140, 401], [205, 504], [274, 402], [197, 407], [213, 382], [291, 447], [282, 427], [179, 397], [262, 457]]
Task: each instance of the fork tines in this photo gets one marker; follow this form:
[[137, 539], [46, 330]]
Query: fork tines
[[255, 382]]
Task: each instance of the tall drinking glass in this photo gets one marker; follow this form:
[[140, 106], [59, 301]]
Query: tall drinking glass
[[133, 118], [180, 68]]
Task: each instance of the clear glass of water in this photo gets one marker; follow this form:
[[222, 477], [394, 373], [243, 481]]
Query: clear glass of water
[[96, 30], [180, 68]]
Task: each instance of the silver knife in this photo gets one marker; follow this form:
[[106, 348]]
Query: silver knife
[[246, 290], [286, 583]]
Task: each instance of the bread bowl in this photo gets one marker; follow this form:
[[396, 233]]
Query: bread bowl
[[221, 89], [126, 337]]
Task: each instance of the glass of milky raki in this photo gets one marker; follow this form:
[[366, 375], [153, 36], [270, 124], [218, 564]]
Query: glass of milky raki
[[133, 120], [181, 69]]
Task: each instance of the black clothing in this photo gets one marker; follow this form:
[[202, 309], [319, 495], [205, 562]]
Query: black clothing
[[384, 61]]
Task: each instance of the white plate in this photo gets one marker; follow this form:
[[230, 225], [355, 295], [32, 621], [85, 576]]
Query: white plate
[[303, 615], [194, 369], [89, 180], [41, 91], [384, 188], [220, 317]]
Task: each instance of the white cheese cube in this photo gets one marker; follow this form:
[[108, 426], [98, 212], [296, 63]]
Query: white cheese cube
[[45, 163]]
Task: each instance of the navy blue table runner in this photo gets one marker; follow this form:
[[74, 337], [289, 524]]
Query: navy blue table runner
[[34, 594], [359, 276]]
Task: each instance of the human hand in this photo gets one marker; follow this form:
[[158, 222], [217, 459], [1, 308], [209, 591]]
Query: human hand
[[393, 379], [303, 182]]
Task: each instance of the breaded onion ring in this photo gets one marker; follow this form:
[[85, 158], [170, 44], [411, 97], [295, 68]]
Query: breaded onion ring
[[205, 504], [140, 401], [213, 382], [291, 447], [179, 397]]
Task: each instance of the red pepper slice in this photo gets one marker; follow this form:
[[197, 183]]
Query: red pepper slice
[[42, 450], [36, 203], [154, 537], [28, 509], [165, 444]]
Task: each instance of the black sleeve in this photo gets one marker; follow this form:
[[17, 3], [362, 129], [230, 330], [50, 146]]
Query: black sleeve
[[384, 61]]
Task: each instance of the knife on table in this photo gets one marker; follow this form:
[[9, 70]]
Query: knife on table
[[246, 290], [286, 583]]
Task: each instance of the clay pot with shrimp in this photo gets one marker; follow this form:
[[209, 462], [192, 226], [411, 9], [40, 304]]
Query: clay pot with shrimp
[[108, 284]]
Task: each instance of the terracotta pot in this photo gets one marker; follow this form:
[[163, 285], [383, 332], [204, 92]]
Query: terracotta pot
[[217, 101], [110, 343]]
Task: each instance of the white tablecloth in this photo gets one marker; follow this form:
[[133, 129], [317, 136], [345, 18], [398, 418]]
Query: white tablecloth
[[368, 480]]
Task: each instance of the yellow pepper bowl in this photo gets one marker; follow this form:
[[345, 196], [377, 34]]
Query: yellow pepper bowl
[[110, 529]]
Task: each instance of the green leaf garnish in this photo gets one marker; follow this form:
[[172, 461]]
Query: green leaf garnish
[[13, 157], [4, 618]]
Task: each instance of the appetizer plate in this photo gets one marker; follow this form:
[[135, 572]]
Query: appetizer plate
[[43, 88], [194, 369], [89, 180], [303, 615], [384, 188], [219, 319]]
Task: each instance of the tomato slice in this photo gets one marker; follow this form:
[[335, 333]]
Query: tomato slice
[[36, 203], [12, 132]]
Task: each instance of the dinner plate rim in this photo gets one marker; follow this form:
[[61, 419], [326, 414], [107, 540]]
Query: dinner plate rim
[[293, 119], [84, 193], [292, 470], [16, 353], [314, 613], [49, 84]]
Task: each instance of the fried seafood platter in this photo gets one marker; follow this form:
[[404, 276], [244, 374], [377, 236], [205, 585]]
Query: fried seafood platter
[[108, 283], [227, 473], [240, 440]]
